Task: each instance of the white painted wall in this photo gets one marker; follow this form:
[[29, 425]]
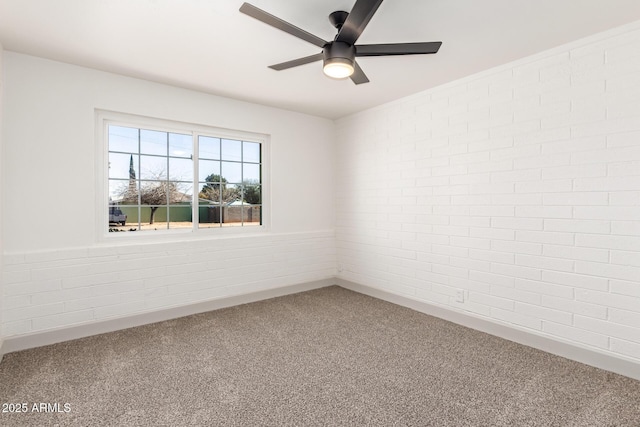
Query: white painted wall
[[58, 275], [519, 186]]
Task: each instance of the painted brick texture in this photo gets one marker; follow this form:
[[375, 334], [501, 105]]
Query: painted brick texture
[[50, 289], [519, 186]]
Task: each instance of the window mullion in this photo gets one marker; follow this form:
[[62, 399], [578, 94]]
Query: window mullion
[[139, 181], [167, 185], [220, 186], [242, 183], [195, 182]]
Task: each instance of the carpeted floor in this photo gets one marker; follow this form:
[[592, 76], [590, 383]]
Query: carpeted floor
[[323, 357]]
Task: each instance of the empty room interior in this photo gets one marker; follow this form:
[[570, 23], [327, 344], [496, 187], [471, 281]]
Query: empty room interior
[[343, 212]]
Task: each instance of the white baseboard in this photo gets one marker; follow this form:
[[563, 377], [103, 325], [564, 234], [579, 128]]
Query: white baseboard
[[53, 336], [569, 350], [566, 349]]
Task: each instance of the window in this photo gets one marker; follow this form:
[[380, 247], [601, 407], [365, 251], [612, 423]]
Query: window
[[167, 176]]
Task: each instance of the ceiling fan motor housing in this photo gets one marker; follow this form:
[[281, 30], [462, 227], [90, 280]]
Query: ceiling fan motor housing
[[339, 51]]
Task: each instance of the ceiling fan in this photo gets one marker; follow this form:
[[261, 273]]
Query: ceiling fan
[[339, 55]]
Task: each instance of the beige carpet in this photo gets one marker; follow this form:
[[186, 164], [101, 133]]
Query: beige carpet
[[324, 357]]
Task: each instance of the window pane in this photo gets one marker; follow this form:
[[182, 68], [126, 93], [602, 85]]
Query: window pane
[[153, 167], [180, 145], [209, 216], [123, 139], [180, 169], [131, 211], [116, 216], [153, 142], [232, 214], [231, 193], [251, 152], [232, 172], [251, 173], [120, 165], [180, 192], [252, 194], [121, 190], [209, 171], [231, 150], [180, 216], [252, 215], [155, 193], [153, 217], [209, 148], [209, 193]]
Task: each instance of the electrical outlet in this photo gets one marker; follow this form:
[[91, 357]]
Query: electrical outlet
[[460, 295], [340, 267]]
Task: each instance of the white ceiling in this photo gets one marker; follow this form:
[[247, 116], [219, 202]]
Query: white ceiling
[[207, 45]]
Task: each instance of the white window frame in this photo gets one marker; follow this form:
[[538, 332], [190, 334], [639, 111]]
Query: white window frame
[[104, 118]]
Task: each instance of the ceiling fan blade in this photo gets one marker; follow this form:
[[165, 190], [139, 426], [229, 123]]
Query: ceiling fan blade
[[358, 76], [397, 49], [357, 20], [278, 23], [296, 62]]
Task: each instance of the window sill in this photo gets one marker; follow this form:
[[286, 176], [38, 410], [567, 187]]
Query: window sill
[[180, 235]]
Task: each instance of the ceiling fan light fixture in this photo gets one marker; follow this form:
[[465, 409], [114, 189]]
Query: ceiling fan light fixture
[[339, 55], [338, 59], [338, 68]]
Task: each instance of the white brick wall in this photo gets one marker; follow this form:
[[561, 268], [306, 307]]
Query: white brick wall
[[53, 289], [520, 186]]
